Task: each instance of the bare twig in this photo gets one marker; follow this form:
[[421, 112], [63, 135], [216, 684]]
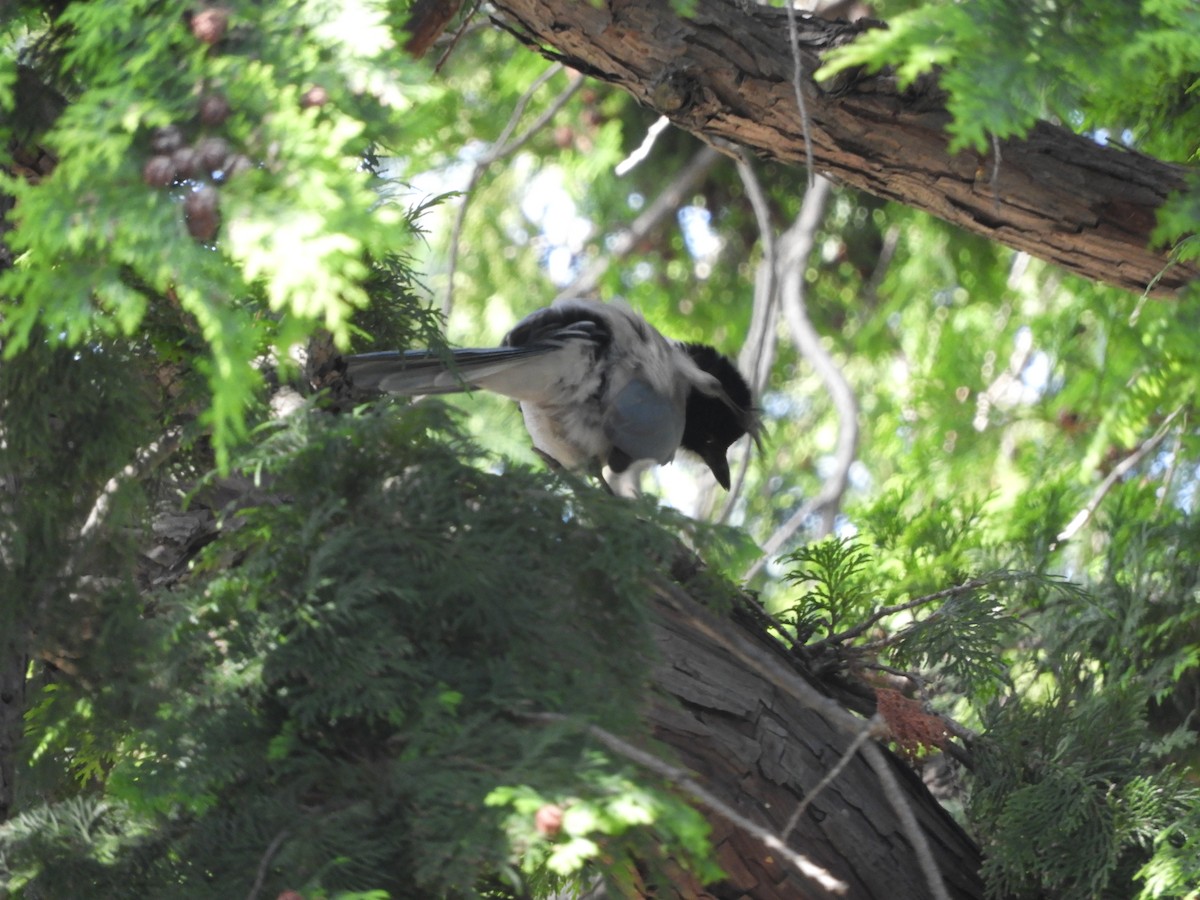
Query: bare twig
[[884, 611], [462, 29], [757, 356], [660, 125], [1118, 471], [146, 458], [263, 864], [758, 352], [872, 728], [505, 145], [912, 829], [891, 240], [669, 200], [797, 85], [1172, 467], [684, 780], [796, 245]]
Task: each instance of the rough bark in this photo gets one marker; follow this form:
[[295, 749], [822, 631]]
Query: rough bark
[[732, 714], [13, 665], [726, 76]]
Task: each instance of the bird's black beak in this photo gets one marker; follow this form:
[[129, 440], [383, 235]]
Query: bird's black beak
[[715, 457]]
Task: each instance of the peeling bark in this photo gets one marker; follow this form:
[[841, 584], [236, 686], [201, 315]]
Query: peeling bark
[[725, 75]]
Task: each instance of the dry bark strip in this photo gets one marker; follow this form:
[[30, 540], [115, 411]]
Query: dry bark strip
[[725, 75]]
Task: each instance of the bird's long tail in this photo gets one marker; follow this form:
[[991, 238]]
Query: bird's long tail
[[412, 372]]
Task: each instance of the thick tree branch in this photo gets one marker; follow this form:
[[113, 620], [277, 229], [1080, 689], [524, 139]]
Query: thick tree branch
[[726, 75]]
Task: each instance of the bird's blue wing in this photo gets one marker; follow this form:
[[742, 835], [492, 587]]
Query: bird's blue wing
[[642, 424]]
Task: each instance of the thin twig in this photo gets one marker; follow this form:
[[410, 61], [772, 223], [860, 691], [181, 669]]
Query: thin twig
[[1172, 466], [797, 79], [796, 245], [758, 352], [873, 727], [884, 611], [462, 29], [684, 780], [504, 145], [644, 148], [623, 242], [912, 828], [264, 863], [146, 458], [1119, 470], [891, 240], [760, 339]]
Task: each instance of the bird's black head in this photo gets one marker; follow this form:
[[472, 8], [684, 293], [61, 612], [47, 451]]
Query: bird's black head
[[713, 423]]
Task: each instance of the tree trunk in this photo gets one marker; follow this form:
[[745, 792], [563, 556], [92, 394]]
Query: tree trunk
[[13, 665], [734, 712], [726, 75]]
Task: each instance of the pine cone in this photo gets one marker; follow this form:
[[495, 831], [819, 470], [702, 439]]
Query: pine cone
[[314, 96], [167, 139], [184, 160], [201, 213], [214, 110], [209, 25], [159, 171], [211, 153]]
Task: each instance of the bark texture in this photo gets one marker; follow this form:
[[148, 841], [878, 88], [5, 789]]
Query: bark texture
[[732, 713], [13, 666], [726, 75]]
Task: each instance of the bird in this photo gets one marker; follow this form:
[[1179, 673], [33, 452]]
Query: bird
[[598, 387]]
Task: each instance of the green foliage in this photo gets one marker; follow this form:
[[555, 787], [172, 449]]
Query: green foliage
[[608, 823], [350, 692], [339, 692], [835, 590], [1069, 815], [1082, 698], [98, 247], [68, 848], [1005, 65]]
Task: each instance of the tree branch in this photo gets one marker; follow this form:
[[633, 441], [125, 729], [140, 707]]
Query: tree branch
[[500, 149], [686, 782], [884, 611], [916, 837], [873, 727], [796, 245], [829, 725], [1117, 473], [725, 73]]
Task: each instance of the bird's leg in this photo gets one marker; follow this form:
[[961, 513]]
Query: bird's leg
[[549, 460]]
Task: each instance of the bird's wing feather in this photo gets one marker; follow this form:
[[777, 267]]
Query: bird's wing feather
[[555, 325], [423, 372], [536, 356], [534, 372], [643, 424]]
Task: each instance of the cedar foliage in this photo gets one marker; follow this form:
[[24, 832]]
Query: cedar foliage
[[326, 685], [349, 673]]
